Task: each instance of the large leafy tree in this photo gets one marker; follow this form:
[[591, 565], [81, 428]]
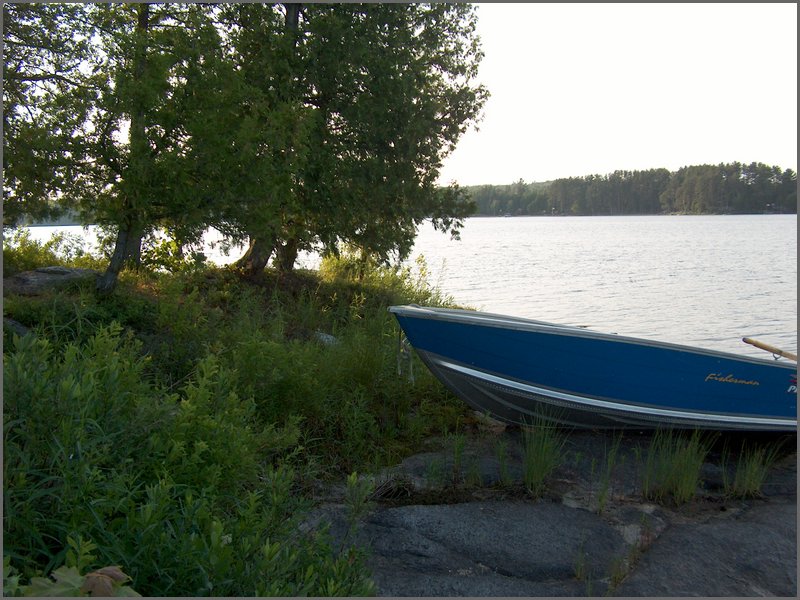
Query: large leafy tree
[[280, 124], [372, 98], [168, 85], [49, 90]]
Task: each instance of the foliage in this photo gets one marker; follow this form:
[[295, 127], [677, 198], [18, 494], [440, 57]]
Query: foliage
[[287, 126], [181, 488], [67, 580], [48, 77], [175, 426], [671, 470], [22, 253]]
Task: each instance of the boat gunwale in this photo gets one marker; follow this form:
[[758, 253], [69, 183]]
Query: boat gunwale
[[478, 318]]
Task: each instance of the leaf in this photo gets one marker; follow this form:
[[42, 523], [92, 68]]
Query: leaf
[[107, 582], [114, 573], [97, 584], [66, 581], [127, 592]]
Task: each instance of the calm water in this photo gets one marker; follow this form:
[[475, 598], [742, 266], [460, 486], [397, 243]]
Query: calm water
[[699, 280]]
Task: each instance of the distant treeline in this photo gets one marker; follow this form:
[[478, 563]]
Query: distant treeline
[[704, 189]]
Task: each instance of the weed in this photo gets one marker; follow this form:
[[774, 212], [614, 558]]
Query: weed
[[671, 470], [458, 440], [434, 473], [751, 470], [619, 571], [501, 451], [97, 456], [357, 495], [605, 479], [474, 477], [580, 567], [543, 452], [173, 426]]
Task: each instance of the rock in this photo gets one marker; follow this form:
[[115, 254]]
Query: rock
[[485, 549], [488, 424], [326, 339], [430, 534], [15, 327], [753, 554], [33, 283]]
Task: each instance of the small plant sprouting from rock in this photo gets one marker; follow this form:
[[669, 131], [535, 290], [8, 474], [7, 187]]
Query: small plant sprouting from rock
[[501, 451], [604, 492], [543, 453], [580, 566], [435, 473], [671, 470], [752, 467], [459, 440]]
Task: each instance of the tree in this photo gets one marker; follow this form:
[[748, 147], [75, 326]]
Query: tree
[[48, 93], [167, 81], [375, 96]]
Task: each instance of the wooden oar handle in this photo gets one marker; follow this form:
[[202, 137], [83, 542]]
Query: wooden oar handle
[[768, 348]]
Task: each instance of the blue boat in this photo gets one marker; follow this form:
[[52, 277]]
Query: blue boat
[[517, 370]]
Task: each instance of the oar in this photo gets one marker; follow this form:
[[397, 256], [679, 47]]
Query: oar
[[768, 348]]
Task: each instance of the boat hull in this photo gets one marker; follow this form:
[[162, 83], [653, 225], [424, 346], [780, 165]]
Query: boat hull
[[518, 370]]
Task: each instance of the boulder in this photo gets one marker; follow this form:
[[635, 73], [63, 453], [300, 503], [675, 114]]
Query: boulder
[[33, 283]]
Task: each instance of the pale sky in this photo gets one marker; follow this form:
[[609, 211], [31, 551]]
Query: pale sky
[[580, 89]]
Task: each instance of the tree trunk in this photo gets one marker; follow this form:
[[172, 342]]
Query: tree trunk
[[261, 246], [127, 250], [286, 255], [255, 259], [128, 247]]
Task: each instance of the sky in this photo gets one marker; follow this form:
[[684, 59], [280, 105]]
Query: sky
[[581, 89]]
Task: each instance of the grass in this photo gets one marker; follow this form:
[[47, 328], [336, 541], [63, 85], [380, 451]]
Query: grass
[[671, 469], [604, 492], [501, 451], [459, 441], [543, 453], [179, 425], [750, 469]]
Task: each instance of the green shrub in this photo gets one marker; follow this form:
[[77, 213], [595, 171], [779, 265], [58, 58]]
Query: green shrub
[[186, 491], [22, 253]]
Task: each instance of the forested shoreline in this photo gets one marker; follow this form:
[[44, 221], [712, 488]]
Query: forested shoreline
[[734, 188]]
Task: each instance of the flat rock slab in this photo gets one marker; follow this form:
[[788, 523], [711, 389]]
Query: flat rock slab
[[429, 536], [484, 548], [750, 554], [32, 283]]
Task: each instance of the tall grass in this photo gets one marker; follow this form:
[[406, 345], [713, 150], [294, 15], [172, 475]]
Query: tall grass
[[543, 453], [671, 469], [604, 492], [750, 469]]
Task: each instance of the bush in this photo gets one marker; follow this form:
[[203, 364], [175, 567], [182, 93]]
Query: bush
[[22, 253], [186, 491]]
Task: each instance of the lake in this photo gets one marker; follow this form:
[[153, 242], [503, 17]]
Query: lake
[[698, 280]]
